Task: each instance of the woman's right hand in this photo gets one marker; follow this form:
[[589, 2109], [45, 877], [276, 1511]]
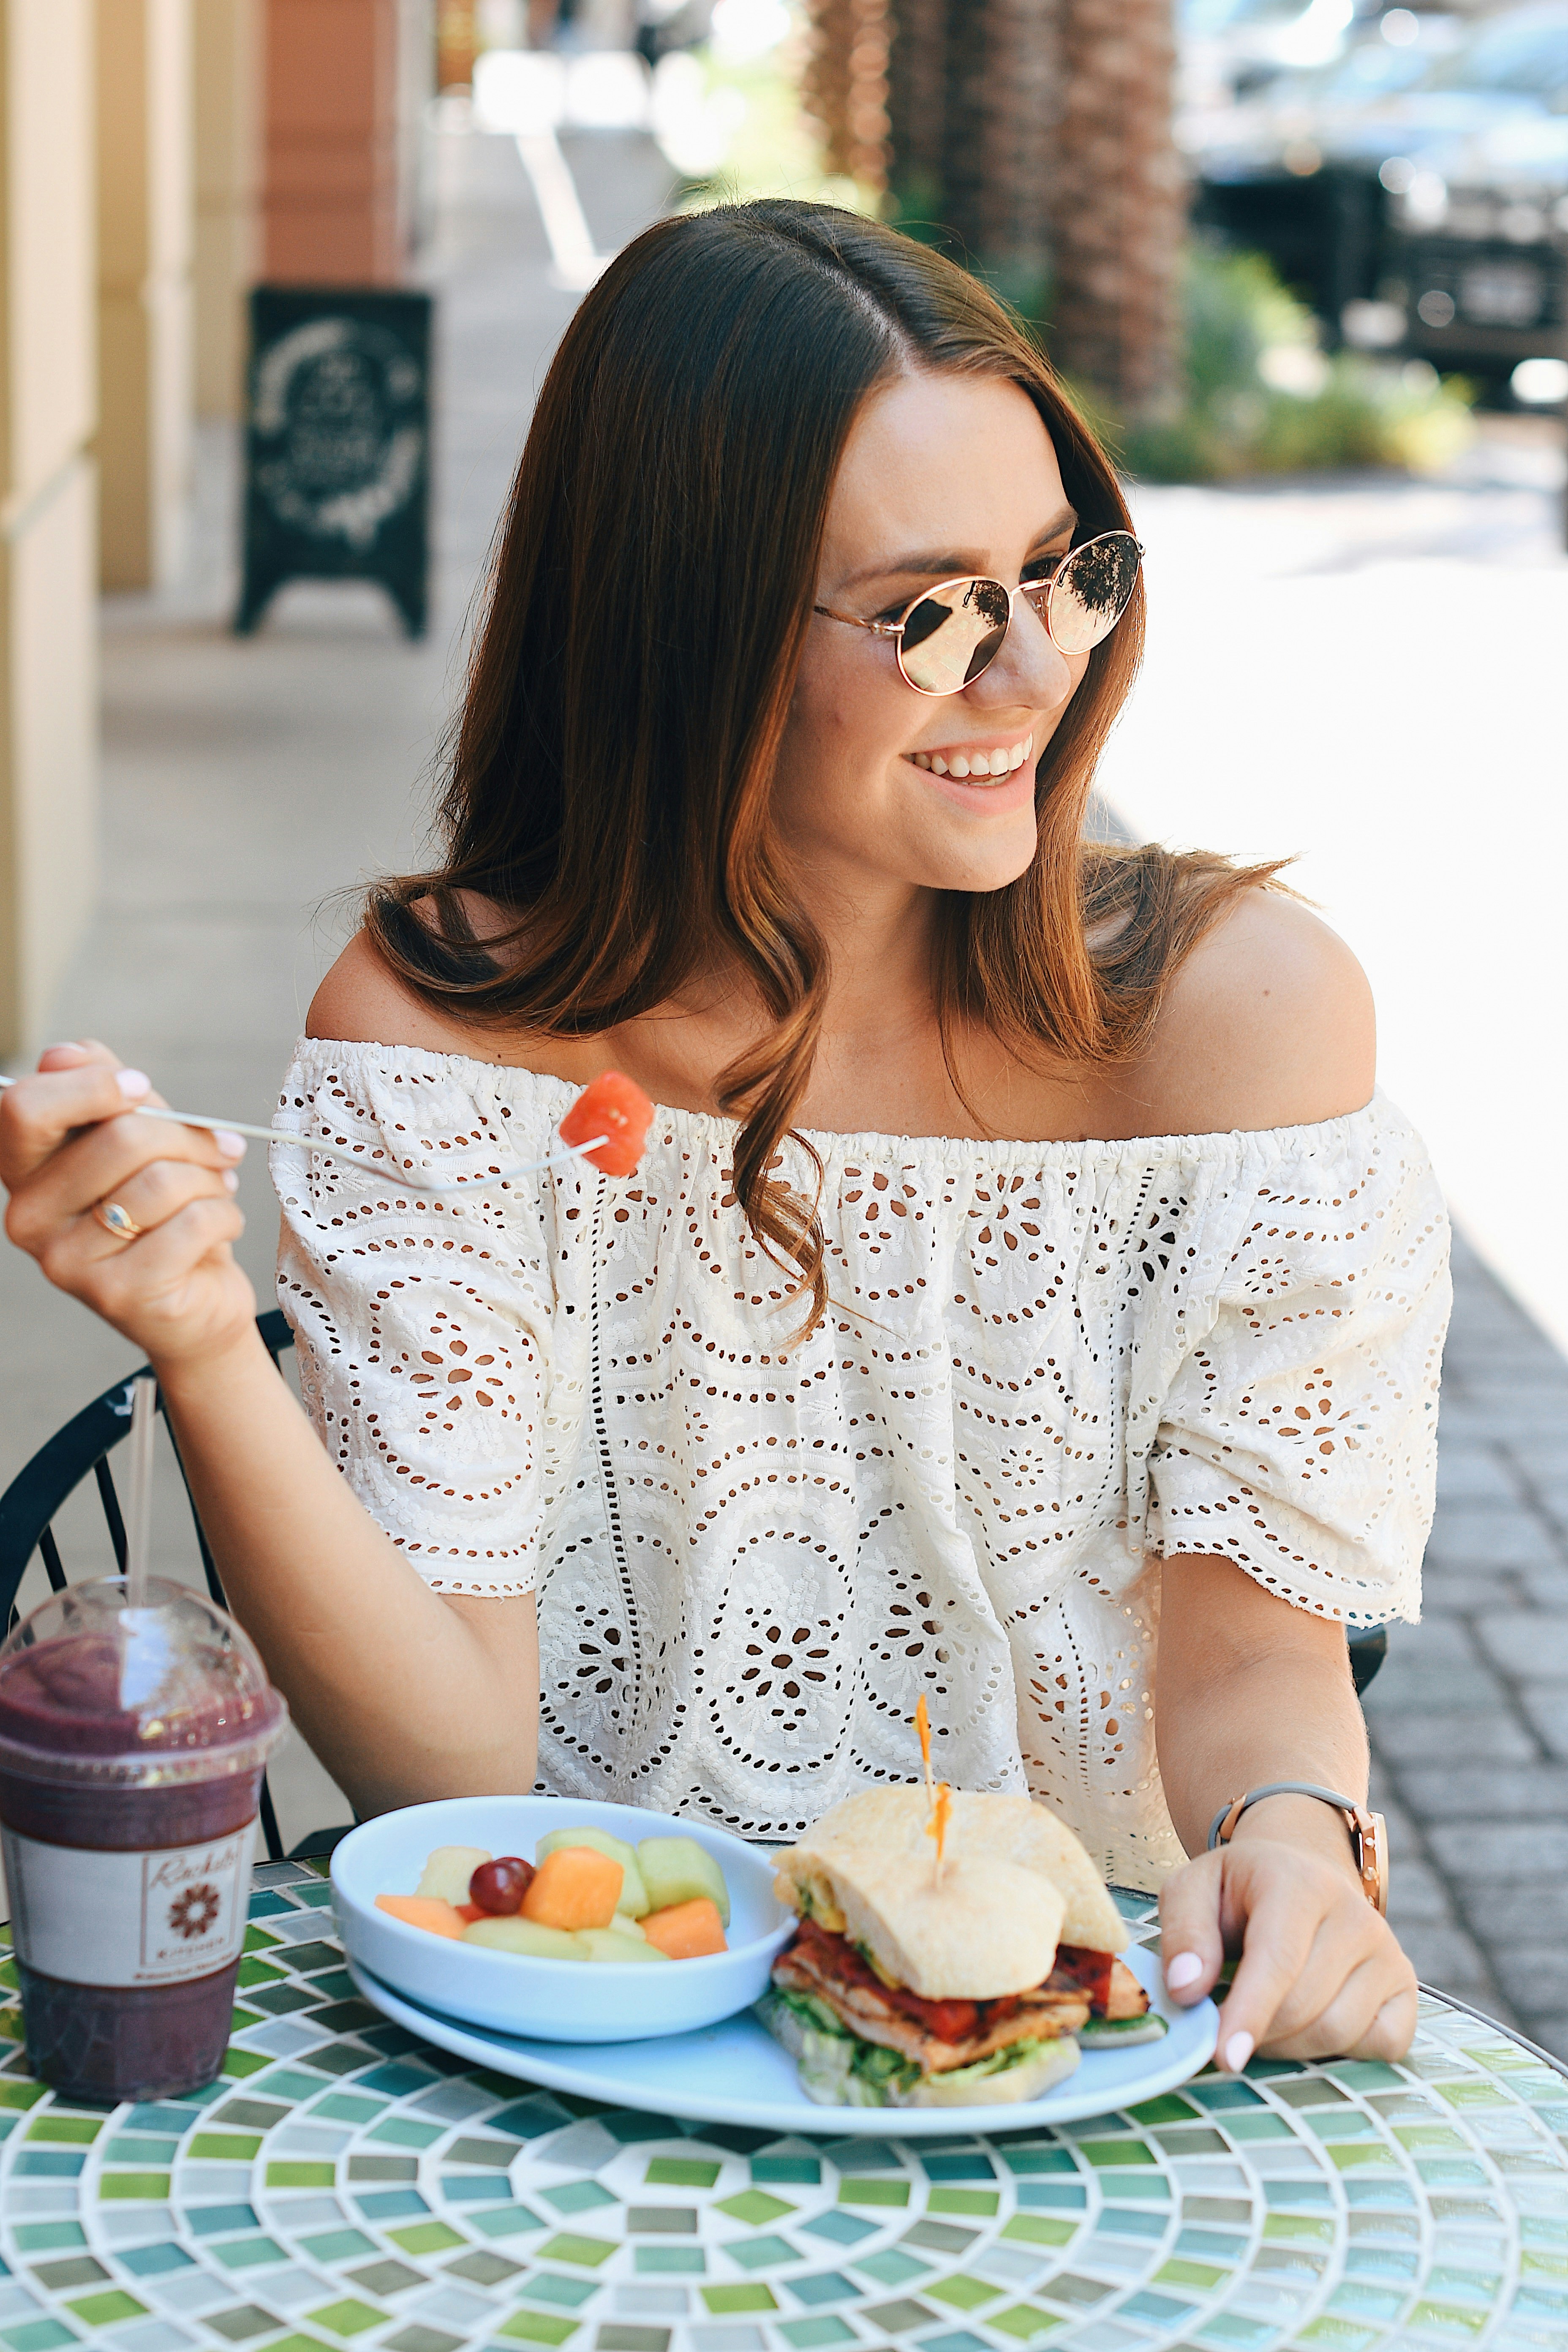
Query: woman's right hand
[[67, 1142]]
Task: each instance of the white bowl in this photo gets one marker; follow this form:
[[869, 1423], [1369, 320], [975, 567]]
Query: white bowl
[[551, 2000]]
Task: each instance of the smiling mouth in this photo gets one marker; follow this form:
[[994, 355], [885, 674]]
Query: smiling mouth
[[978, 766]]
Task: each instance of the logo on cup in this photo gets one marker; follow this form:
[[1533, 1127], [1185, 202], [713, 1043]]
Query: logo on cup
[[196, 1911]]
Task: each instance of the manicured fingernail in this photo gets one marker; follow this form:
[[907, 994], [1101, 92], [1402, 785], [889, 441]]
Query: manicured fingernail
[[230, 1180], [1185, 1969], [132, 1083], [1238, 2050], [232, 1146]]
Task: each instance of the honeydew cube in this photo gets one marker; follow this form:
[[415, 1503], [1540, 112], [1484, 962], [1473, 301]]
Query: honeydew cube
[[608, 1944], [621, 1926], [677, 1869], [525, 1938], [633, 1900], [449, 1870]]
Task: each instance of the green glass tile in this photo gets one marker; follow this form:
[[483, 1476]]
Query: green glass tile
[[1023, 2322], [348, 2108], [102, 2310], [1446, 2315], [298, 2342], [661, 2261], [1425, 2139], [77, 2270], [979, 2201], [1038, 2230], [682, 2172], [150, 2187], [223, 2148], [257, 1939], [1180, 2273], [724, 2300], [539, 2327], [1357, 2157], [760, 2253], [873, 2192], [258, 1972], [807, 2334], [400, 2133], [39, 2336], [1482, 2286], [803, 2169], [284, 2175], [890, 2268], [589, 2252], [46, 2237], [1037, 2159], [579, 2196], [1340, 2334], [1253, 2128], [1366, 2074], [14, 2093], [248, 2253], [1103, 2152], [1171, 2108], [348, 2317], [338, 2245], [1165, 2310], [1454, 2171], [753, 2206], [77, 2131], [1299, 2229], [424, 2237], [507, 2222], [1228, 2328], [1532, 2265], [963, 2292], [1147, 2188], [561, 2294], [1217, 2095], [239, 2064]]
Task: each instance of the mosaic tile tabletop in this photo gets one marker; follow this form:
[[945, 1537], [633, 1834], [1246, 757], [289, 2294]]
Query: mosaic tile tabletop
[[346, 2186]]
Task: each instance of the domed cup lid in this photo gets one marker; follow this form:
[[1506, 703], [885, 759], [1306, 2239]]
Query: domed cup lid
[[171, 1691]]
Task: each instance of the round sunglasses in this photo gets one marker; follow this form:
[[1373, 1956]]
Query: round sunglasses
[[948, 635]]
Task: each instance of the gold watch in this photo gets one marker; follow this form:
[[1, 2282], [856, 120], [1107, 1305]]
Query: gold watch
[[1369, 1833]]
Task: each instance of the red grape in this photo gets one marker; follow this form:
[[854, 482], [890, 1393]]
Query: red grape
[[500, 1886]]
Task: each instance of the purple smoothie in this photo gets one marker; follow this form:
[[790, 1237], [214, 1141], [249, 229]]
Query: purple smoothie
[[131, 1747]]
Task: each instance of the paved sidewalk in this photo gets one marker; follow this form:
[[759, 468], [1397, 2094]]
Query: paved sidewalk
[[1469, 1716]]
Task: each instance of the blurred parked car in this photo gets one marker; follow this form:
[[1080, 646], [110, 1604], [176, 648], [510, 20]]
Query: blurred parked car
[[1416, 190]]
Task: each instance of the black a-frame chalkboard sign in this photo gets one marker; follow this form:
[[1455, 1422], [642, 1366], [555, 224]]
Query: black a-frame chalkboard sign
[[337, 471]]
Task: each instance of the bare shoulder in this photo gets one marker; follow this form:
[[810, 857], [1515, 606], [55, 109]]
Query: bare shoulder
[[1268, 1022], [361, 1002]]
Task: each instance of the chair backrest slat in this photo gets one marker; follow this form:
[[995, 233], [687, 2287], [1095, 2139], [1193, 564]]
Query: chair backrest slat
[[54, 1567], [112, 1514]]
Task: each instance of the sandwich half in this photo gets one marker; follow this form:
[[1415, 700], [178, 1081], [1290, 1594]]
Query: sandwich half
[[974, 1986]]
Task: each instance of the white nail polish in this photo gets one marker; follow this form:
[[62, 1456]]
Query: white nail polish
[[132, 1083], [1238, 2050], [230, 1180], [232, 1146], [1184, 1971]]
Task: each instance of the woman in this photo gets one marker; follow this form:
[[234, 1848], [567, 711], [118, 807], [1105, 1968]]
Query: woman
[[1020, 1267]]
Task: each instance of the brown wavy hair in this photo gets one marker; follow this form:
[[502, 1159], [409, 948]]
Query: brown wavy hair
[[610, 776]]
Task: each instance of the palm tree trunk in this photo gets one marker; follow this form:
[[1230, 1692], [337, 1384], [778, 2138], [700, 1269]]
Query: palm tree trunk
[[845, 87], [1119, 205]]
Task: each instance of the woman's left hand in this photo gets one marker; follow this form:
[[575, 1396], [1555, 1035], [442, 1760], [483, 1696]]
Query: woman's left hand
[[1320, 1973]]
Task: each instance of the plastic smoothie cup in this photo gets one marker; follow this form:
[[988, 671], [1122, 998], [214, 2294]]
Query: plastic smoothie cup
[[132, 1742]]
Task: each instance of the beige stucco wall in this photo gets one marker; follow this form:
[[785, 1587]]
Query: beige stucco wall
[[48, 677], [145, 225], [228, 97]]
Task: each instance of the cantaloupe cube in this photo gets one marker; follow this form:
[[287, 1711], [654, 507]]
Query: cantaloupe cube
[[686, 1931], [576, 1886], [422, 1911]]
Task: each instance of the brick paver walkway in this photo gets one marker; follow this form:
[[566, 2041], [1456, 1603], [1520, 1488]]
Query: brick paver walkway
[[1469, 1716]]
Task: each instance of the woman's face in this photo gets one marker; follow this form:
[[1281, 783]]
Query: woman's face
[[942, 475]]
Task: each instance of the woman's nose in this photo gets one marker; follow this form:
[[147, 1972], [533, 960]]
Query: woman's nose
[[1030, 668]]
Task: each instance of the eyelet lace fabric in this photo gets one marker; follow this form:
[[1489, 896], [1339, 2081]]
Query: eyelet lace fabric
[[1047, 1365]]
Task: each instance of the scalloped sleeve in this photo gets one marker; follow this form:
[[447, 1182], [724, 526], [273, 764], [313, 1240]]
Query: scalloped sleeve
[[1298, 1432], [423, 1329]]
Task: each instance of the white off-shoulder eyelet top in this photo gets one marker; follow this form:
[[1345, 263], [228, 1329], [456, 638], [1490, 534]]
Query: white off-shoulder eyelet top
[[1047, 1365]]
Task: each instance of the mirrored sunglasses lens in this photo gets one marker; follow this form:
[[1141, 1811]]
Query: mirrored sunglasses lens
[[1092, 591], [953, 634]]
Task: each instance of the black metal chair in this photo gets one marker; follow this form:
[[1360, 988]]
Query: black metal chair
[[38, 1492]]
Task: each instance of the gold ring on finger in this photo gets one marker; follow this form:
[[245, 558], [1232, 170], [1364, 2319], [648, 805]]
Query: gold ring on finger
[[117, 1221]]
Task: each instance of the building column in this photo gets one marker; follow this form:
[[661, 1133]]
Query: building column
[[227, 43], [333, 208], [145, 160], [49, 666]]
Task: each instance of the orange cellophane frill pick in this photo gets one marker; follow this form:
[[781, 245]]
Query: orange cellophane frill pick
[[937, 1826], [614, 1106]]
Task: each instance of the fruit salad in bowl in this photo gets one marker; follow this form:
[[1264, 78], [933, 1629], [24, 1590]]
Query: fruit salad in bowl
[[559, 1921]]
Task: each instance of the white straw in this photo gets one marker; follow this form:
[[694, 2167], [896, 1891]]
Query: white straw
[[138, 1494]]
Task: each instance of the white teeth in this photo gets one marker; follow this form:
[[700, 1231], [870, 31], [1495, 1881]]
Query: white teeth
[[975, 765], [958, 765], [999, 763], [938, 764], [1015, 759], [921, 759]]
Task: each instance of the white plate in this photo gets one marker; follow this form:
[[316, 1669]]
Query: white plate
[[735, 2072]]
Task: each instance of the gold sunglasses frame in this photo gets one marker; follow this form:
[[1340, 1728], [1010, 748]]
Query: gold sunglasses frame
[[1031, 590]]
